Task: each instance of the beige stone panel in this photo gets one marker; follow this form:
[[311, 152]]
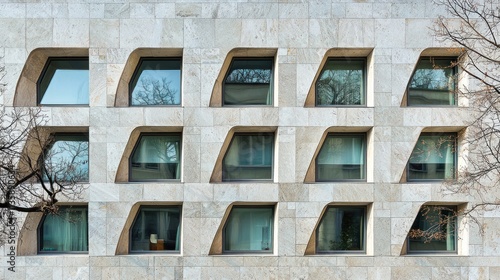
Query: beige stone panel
[[382, 169], [359, 10], [228, 33], [191, 85], [198, 117], [227, 192], [136, 33], [332, 272], [386, 193], [199, 33], [141, 10], [227, 116], [293, 33], [259, 116], [164, 10], [351, 33], [219, 10], [131, 117], [188, 10], [97, 85], [265, 192], [216, 134], [286, 237], [259, 32], [322, 117], [416, 192], [409, 10], [293, 10], [97, 236], [287, 94], [60, 10], [118, 10], [361, 117], [390, 33], [14, 56], [218, 273], [401, 75], [198, 192], [209, 73], [399, 232], [103, 118], [104, 192], [209, 154], [71, 32], [258, 10], [388, 116], [411, 273], [105, 33], [293, 116], [383, 84], [69, 116], [98, 164], [228, 261], [309, 209], [164, 191], [306, 72], [13, 33], [405, 55], [258, 272], [353, 192], [172, 34], [319, 9], [136, 272], [164, 116], [382, 10], [12, 10], [75, 272], [379, 273], [382, 240], [39, 10], [417, 117], [322, 192], [419, 33], [491, 237], [78, 10], [303, 229]]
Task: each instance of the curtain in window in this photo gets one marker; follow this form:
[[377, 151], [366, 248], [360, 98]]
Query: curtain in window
[[432, 83], [438, 223], [249, 229], [156, 157], [342, 157], [342, 228], [65, 232], [156, 229], [433, 158]]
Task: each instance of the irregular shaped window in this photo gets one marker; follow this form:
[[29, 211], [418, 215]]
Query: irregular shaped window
[[156, 157], [64, 81], [249, 157], [67, 159], [156, 228], [433, 82], [156, 81], [342, 82], [249, 81], [342, 157], [433, 158], [64, 232], [249, 229]]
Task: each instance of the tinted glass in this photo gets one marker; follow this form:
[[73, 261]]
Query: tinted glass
[[342, 157], [156, 82], [66, 231], [67, 159], [249, 229], [433, 83], [341, 229], [156, 157], [341, 82], [65, 81], [249, 82], [156, 229], [249, 157], [433, 158], [433, 230]]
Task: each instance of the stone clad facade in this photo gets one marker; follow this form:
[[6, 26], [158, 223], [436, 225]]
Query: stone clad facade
[[300, 35]]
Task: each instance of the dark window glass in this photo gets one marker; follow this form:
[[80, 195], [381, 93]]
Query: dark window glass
[[66, 231], [433, 158], [156, 82], [249, 229], [433, 230], [156, 157], [156, 229], [433, 82], [341, 82], [67, 159], [65, 81], [342, 228], [249, 157], [342, 157], [249, 82]]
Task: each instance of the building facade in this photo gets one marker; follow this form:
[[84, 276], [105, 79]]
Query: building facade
[[249, 139]]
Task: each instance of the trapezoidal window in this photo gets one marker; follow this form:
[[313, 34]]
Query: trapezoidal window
[[67, 158], [156, 228], [156, 81], [249, 229], [342, 157], [156, 156], [433, 82], [64, 81], [342, 229], [434, 157], [434, 230], [342, 82], [249, 81], [64, 232], [249, 157]]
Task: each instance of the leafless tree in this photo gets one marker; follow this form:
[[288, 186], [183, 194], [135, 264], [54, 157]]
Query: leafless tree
[[474, 26], [35, 171], [155, 92]]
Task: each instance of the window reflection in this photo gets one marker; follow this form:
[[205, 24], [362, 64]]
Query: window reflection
[[67, 159]]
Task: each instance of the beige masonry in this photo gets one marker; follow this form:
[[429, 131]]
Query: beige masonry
[[300, 35]]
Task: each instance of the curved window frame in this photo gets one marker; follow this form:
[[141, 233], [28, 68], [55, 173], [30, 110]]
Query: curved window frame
[[43, 76], [271, 82], [364, 80], [136, 146], [157, 251], [41, 224], [136, 75]]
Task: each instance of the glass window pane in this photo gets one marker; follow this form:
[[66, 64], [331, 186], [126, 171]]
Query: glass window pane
[[156, 157], [249, 157], [67, 160], [433, 229], [433, 158], [433, 83], [156, 82], [65, 81], [341, 82], [341, 229], [249, 229], [249, 82], [342, 157], [156, 229], [66, 231]]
